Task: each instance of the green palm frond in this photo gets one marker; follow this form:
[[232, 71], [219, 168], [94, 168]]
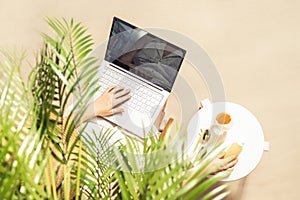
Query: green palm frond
[[123, 172], [22, 166], [62, 74], [63, 82], [95, 172], [166, 182]]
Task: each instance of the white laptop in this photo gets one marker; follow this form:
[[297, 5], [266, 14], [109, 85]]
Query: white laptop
[[148, 66]]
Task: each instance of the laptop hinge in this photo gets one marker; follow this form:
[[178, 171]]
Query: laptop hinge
[[139, 78]]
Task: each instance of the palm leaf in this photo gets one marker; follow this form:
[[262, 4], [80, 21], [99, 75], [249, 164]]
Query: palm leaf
[[166, 182], [22, 165], [95, 172], [60, 60]]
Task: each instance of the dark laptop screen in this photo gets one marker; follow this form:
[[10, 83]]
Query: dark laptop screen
[[144, 54]]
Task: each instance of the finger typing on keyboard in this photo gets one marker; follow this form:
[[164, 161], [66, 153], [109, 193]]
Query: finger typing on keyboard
[[107, 103]]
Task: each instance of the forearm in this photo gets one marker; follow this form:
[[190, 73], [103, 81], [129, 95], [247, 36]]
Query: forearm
[[89, 112], [194, 170]]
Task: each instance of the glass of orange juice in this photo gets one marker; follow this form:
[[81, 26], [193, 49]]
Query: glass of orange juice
[[224, 121]]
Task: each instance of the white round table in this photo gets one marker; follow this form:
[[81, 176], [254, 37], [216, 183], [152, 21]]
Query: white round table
[[245, 129]]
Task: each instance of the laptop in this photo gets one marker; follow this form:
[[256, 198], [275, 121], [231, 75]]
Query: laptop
[[145, 64]]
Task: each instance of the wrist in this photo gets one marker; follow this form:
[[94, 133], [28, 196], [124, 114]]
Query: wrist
[[89, 112]]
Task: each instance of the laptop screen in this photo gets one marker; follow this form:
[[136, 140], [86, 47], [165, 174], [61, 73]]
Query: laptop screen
[[144, 54]]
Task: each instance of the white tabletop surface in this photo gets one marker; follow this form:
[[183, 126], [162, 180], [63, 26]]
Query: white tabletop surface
[[245, 129]]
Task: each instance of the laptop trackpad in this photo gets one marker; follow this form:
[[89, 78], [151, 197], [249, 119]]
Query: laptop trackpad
[[141, 120], [134, 121]]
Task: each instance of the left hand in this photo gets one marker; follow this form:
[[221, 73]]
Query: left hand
[[107, 103]]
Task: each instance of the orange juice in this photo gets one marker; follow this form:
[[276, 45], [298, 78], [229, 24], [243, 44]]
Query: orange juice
[[223, 118]]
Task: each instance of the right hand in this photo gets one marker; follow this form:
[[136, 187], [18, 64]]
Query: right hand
[[230, 162]]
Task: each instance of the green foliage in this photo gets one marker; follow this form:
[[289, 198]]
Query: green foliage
[[44, 153], [64, 76], [22, 165], [126, 171], [61, 76]]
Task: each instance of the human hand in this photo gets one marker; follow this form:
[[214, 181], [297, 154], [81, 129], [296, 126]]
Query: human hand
[[105, 105], [228, 162]]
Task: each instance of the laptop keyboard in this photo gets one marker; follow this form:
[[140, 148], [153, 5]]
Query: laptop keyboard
[[143, 99]]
